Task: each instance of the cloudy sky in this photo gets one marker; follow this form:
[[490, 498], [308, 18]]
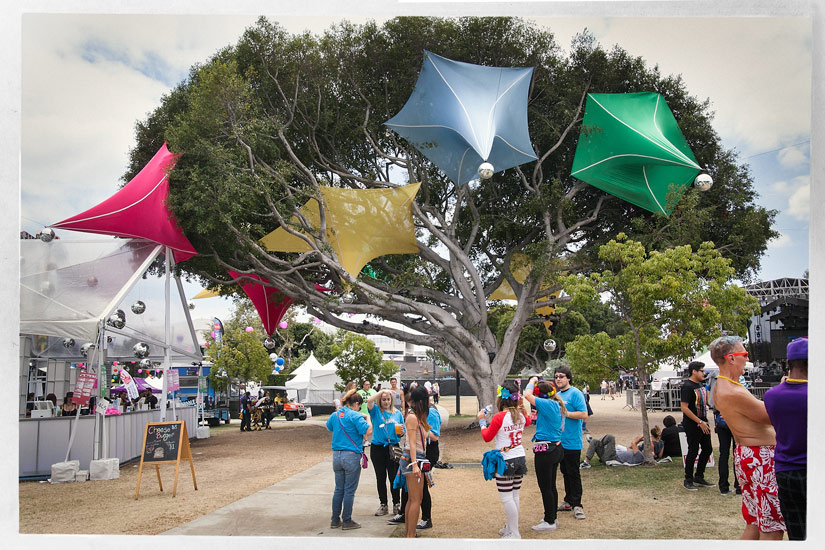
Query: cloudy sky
[[87, 79]]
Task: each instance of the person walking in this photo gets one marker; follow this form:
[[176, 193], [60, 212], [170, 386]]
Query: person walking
[[787, 407], [603, 388], [349, 429], [547, 449], [507, 428], [384, 417], [694, 405], [753, 456], [246, 412], [571, 441]]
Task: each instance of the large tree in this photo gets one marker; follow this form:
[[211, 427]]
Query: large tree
[[672, 302], [262, 125]]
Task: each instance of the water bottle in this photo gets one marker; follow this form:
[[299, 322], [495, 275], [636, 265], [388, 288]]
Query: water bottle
[[486, 410]]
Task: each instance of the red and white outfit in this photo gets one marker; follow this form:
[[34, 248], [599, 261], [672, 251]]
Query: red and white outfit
[[507, 435], [757, 479]]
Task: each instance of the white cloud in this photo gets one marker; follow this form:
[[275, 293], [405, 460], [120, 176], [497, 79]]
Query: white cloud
[[793, 157], [782, 241], [799, 203]]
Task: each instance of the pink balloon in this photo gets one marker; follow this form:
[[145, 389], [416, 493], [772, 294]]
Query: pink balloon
[[249, 329], [283, 324], [213, 334], [316, 320], [114, 362], [140, 371]]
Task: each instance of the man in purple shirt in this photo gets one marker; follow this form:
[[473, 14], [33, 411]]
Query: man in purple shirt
[[787, 406]]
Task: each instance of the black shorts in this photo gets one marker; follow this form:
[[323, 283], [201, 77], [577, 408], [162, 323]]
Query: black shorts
[[515, 467]]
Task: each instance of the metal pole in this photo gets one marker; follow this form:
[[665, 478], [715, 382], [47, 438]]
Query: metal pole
[[167, 329], [457, 392]]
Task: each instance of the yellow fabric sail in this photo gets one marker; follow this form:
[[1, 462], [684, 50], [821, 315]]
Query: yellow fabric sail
[[520, 267], [362, 224], [206, 293]]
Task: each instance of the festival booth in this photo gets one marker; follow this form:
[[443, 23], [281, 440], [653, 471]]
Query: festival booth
[[314, 383], [91, 310]]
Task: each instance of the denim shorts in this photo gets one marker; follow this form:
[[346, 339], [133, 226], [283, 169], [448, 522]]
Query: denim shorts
[[406, 466]]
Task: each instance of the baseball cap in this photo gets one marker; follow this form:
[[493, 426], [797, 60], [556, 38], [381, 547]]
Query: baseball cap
[[798, 349]]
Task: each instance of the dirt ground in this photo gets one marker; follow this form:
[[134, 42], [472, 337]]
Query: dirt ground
[[230, 465]]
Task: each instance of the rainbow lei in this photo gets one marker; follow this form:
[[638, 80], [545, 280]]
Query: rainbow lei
[[538, 393]]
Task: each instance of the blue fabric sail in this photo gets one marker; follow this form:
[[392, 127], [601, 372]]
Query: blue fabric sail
[[461, 115]]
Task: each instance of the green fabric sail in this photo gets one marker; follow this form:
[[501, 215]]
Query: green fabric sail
[[630, 146]]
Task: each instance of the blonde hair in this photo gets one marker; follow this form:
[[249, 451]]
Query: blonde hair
[[379, 397]]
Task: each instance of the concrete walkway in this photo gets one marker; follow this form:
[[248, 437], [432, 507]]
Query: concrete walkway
[[299, 506]]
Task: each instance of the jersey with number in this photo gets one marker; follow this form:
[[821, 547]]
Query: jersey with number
[[506, 433]]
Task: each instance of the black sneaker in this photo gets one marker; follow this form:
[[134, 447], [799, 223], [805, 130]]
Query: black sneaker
[[725, 492], [397, 519], [350, 525], [424, 524], [335, 524], [702, 483], [690, 486]]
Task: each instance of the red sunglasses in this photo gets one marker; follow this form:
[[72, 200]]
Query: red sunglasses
[[745, 353]]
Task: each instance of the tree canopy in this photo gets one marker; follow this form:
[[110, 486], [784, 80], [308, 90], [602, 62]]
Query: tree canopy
[[263, 124], [672, 302], [358, 359]]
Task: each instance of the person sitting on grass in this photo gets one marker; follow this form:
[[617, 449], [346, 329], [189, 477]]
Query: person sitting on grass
[[670, 438], [611, 454], [656, 442]]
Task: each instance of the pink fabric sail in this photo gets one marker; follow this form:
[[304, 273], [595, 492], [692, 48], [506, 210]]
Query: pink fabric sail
[[270, 302], [138, 210]]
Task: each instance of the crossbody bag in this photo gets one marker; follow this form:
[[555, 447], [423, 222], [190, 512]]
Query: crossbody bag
[[394, 448]]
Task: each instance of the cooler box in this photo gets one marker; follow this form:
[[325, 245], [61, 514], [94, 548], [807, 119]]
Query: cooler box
[[64, 471], [105, 468]]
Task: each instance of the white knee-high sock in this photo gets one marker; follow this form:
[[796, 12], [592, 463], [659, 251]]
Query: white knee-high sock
[[505, 494]]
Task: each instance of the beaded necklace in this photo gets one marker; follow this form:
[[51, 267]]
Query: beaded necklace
[[797, 380], [729, 380]]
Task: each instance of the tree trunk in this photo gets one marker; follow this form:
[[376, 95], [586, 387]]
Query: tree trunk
[[641, 375]]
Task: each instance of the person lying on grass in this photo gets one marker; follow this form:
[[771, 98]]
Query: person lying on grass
[[615, 455]]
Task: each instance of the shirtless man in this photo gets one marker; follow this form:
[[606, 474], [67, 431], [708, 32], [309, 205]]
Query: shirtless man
[[755, 441]]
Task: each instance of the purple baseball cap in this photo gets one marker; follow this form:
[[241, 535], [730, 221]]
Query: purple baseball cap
[[798, 349]]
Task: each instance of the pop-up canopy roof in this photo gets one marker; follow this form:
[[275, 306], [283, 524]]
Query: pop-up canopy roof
[[138, 210]]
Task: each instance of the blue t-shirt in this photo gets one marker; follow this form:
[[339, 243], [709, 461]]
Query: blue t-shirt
[[548, 420], [388, 420], [355, 425], [434, 420], [571, 437]]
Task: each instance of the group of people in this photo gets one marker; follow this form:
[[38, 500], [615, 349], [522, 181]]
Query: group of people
[[257, 413]]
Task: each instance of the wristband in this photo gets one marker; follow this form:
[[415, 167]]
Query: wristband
[[482, 422], [529, 388]]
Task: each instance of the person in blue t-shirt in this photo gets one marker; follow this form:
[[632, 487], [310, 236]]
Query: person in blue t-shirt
[[547, 449], [388, 426], [571, 441], [349, 428]]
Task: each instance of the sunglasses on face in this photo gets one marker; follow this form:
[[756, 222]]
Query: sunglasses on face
[[742, 353]]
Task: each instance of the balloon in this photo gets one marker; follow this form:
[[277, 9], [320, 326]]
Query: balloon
[[283, 324], [280, 361], [316, 320], [140, 371], [273, 356], [206, 344], [249, 329], [138, 307], [115, 363], [213, 334]]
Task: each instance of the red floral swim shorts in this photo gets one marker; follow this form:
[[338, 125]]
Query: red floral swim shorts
[[757, 479]]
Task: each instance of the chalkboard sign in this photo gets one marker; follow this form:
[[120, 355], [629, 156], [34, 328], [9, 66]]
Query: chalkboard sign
[[165, 442], [162, 442]]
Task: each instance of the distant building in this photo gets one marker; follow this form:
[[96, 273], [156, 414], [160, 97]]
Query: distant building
[[411, 359], [783, 317]]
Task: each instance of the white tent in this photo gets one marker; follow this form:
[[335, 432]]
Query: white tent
[[314, 383]]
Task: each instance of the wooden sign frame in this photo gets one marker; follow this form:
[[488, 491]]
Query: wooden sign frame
[[184, 453]]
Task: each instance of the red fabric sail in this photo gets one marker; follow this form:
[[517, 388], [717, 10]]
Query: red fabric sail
[[138, 210], [270, 302]]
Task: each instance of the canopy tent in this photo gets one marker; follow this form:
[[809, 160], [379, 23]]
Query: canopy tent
[[314, 383], [138, 210], [362, 224], [631, 146], [461, 115], [69, 289]]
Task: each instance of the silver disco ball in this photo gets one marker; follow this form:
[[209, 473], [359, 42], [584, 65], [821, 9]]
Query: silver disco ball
[[47, 235], [140, 350], [116, 321], [91, 281], [485, 170], [84, 349], [549, 345], [68, 343], [269, 343], [348, 298], [145, 364], [703, 182], [138, 307]]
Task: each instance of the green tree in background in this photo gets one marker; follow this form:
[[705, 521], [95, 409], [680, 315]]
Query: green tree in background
[[672, 302], [264, 124], [358, 359], [241, 355]]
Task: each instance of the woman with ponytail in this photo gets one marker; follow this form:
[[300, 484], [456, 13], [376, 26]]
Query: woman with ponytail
[[507, 427], [547, 449], [414, 456]]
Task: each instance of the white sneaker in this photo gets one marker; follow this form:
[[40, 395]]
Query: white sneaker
[[503, 530], [511, 535], [544, 526], [613, 463]]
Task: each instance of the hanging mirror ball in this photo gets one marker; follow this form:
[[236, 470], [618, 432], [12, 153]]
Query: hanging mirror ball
[[273, 356], [116, 321], [549, 345], [485, 170], [68, 343], [91, 280], [84, 349], [47, 234], [140, 350], [145, 363], [138, 307], [348, 298], [269, 343], [703, 182]]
